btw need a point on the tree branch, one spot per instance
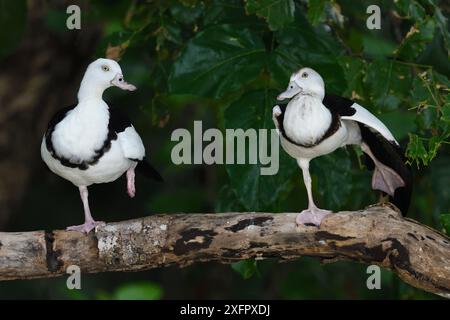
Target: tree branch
(378, 235)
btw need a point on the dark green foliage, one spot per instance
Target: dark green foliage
(257, 192)
(224, 62)
(246, 268)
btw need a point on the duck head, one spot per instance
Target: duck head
(305, 81)
(100, 75)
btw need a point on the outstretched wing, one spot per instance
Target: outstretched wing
(350, 110)
(381, 143)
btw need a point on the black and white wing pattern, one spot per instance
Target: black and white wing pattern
(350, 110)
(131, 143)
(57, 118)
(119, 128)
(381, 142)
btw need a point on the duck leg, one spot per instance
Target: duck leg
(89, 222)
(131, 188)
(383, 178)
(312, 215)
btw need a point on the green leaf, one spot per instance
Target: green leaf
(13, 16)
(399, 122)
(255, 191)
(138, 291)
(446, 112)
(226, 12)
(410, 9)
(186, 14)
(441, 21)
(354, 69)
(427, 117)
(301, 45)
(333, 181)
(443, 81)
(277, 13)
(375, 46)
(115, 44)
(388, 83)
(434, 144)
(415, 42)
(416, 151)
(217, 61)
(316, 10)
(445, 222)
(246, 268)
(228, 201)
(438, 178)
(420, 94)
(429, 96)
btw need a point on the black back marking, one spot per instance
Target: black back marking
(339, 105)
(118, 120)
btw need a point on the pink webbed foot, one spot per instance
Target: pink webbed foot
(86, 227)
(312, 216)
(385, 179)
(130, 183)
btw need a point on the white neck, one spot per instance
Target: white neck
(312, 94)
(90, 90)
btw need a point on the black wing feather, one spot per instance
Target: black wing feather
(385, 151)
(147, 170)
(118, 120)
(340, 105)
(392, 156)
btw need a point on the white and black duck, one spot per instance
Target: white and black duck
(91, 143)
(313, 124)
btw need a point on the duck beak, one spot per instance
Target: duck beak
(289, 93)
(119, 82)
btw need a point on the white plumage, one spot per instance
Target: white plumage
(362, 115)
(87, 143)
(306, 119)
(314, 124)
(131, 144)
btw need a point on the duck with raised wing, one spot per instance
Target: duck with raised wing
(313, 124)
(91, 143)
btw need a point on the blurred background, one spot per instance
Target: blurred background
(222, 62)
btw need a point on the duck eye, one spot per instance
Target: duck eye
(105, 68)
(304, 75)
(291, 86)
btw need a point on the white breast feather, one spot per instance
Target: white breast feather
(81, 132)
(306, 120)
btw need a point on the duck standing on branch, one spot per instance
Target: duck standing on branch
(314, 124)
(90, 142)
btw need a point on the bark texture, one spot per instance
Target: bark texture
(378, 235)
